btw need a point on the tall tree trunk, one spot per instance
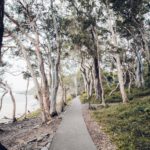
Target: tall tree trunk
(36, 83)
(14, 105)
(55, 66)
(98, 90)
(84, 80)
(1, 27)
(76, 85)
(45, 86)
(139, 70)
(102, 89)
(91, 83)
(97, 72)
(1, 100)
(63, 97)
(54, 89)
(120, 78)
(117, 56)
(26, 104)
(7, 89)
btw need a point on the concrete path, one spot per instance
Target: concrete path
(72, 133)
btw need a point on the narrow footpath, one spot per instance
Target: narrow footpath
(72, 133)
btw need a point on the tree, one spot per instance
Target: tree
(87, 37)
(1, 27)
(7, 89)
(26, 75)
(134, 25)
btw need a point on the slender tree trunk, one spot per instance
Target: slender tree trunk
(117, 56)
(91, 83)
(120, 78)
(63, 93)
(65, 96)
(130, 83)
(54, 89)
(26, 104)
(14, 105)
(102, 95)
(97, 72)
(55, 66)
(139, 71)
(1, 100)
(45, 87)
(98, 90)
(85, 83)
(38, 89)
(76, 85)
(1, 27)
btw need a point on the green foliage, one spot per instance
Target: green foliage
(147, 75)
(139, 92)
(33, 114)
(127, 124)
(116, 96)
(69, 99)
(84, 99)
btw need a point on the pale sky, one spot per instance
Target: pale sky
(13, 74)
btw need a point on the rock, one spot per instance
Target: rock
(42, 137)
(60, 117)
(1, 130)
(48, 145)
(32, 140)
(28, 147)
(20, 141)
(50, 138)
(37, 126)
(48, 123)
(42, 144)
(44, 148)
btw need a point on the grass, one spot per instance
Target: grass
(84, 99)
(127, 124)
(33, 114)
(116, 97)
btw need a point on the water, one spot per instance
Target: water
(7, 107)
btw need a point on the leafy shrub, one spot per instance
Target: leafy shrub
(84, 99)
(69, 98)
(127, 124)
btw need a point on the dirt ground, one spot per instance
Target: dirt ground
(20, 135)
(100, 139)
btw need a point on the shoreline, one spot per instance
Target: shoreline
(6, 114)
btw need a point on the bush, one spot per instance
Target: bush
(84, 99)
(69, 99)
(127, 124)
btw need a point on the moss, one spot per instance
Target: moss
(127, 124)
(33, 114)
